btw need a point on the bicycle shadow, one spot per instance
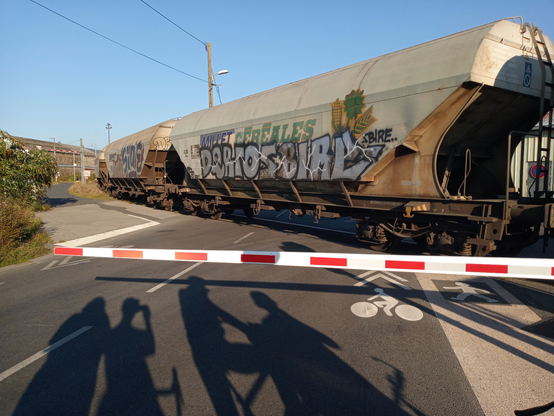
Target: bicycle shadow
(308, 376)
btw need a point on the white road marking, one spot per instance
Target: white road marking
(64, 263)
(1, 283)
(242, 238)
(42, 353)
(173, 278)
(93, 238)
(384, 276)
(50, 265)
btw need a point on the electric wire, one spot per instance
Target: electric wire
(188, 33)
(117, 43)
(175, 24)
(218, 94)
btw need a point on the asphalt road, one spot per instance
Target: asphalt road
(254, 339)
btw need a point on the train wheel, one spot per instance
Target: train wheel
(378, 238)
(195, 211)
(216, 215)
(387, 246)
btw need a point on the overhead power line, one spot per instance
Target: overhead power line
(175, 24)
(117, 43)
(206, 45)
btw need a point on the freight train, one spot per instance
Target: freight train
(413, 144)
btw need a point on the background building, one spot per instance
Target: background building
(67, 157)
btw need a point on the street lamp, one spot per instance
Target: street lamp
(211, 76)
(108, 126)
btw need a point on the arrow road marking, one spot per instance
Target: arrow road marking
(64, 263)
(384, 276)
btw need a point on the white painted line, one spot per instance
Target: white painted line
(50, 265)
(42, 353)
(136, 216)
(93, 238)
(173, 278)
(1, 283)
(242, 238)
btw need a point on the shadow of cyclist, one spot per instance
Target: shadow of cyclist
(213, 355)
(310, 378)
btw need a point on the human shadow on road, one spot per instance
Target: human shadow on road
(66, 382)
(130, 389)
(309, 377)
(213, 355)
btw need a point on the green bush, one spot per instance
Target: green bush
(25, 175)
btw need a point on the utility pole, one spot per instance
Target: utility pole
(108, 126)
(54, 139)
(210, 76)
(83, 162)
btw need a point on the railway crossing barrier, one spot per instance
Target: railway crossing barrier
(469, 266)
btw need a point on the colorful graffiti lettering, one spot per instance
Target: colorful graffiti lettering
(299, 131)
(324, 158)
(208, 140)
(127, 162)
(288, 151)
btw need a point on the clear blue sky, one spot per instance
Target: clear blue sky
(60, 80)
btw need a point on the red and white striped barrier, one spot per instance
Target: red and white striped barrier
(484, 266)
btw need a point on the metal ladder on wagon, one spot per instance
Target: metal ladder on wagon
(543, 149)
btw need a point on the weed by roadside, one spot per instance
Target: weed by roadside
(88, 190)
(20, 236)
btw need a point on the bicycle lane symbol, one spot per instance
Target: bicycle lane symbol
(386, 302)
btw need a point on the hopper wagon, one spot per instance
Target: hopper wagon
(415, 144)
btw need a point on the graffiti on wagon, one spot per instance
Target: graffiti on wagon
(289, 151)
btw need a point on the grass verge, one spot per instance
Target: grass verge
(20, 236)
(88, 190)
